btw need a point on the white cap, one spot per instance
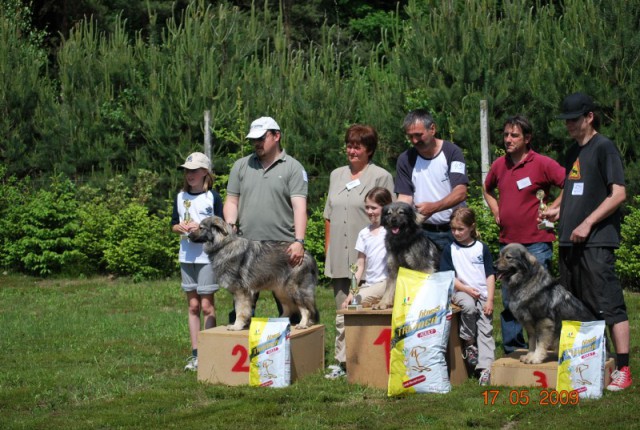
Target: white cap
(197, 160)
(260, 126)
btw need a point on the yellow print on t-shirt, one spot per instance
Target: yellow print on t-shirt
(575, 170)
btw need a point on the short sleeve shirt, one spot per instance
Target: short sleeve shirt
(518, 205)
(199, 206)
(431, 180)
(372, 246)
(344, 209)
(472, 263)
(591, 170)
(265, 211)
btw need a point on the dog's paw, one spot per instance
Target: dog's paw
(381, 306)
(235, 327)
(302, 326)
(532, 358)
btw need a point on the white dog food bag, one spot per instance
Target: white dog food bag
(581, 358)
(420, 325)
(270, 352)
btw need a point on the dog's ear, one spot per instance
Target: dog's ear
(385, 215)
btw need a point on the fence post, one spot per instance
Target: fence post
(207, 135)
(484, 139)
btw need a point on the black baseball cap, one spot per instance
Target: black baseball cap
(576, 105)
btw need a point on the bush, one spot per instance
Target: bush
(140, 245)
(628, 255)
(314, 240)
(39, 230)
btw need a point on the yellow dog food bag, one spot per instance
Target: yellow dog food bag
(270, 353)
(421, 320)
(581, 358)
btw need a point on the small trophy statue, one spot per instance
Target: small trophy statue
(545, 224)
(187, 215)
(354, 306)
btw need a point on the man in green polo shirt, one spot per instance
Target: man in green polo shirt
(267, 192)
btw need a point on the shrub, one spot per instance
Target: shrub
(314, 240)
(628, 255)
(140, 245)
(39, 230)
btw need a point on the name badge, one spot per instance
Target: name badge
(523, 183)
(351, 185)
(578, 189)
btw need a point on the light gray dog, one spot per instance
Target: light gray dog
(537, 301)
(245, 266)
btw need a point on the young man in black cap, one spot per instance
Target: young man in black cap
(589, 229)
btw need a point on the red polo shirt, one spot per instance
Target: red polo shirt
(518, 205)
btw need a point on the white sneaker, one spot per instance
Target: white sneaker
(192, 364)
(485, 377)
(335, 372)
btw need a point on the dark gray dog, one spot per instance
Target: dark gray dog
(537, 301)
(407, 246)
(245, 266)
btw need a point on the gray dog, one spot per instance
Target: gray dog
(245, 266)
(537, 301)
(407, 246)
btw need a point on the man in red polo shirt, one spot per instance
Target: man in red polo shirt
(520, 177)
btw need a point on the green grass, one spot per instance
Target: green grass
(109, 354)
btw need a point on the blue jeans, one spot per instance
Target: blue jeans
(442, 239)
(512, 336)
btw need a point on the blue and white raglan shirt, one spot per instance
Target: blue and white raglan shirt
(431, 180)
(472, 263)
(202, 205)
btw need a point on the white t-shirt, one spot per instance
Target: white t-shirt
(200, 207)
(373, 247)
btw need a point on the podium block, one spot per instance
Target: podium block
(510, 371)
(368, 343)
(223, 355)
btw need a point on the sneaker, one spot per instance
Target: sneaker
(335, 372)
(192, 364)
(620, 379)
(470, 354)
(485, 377)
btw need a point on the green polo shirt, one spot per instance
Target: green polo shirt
(264, 208)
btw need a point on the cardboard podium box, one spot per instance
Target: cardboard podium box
(223, 355)
(368, 342)
(510, 371)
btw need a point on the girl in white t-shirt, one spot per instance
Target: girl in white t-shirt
(195, 202)
(372, 254)
(474, 286)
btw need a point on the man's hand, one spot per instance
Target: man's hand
(296, 253)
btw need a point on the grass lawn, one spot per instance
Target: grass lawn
(85, 354)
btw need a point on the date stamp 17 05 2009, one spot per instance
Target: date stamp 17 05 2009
(525, 397)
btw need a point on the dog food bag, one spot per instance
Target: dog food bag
(270, 352)
(420, 325)
(581, 358)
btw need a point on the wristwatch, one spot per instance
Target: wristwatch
(300, 241)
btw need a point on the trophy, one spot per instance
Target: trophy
(354, 306)
(545, 224)
(187, 215)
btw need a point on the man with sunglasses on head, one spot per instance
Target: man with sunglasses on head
(589, 228)
(518, 177)
(267, 193)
